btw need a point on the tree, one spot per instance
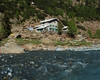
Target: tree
(97, 33)
(60, 26)
(59, 29)
(72, 29)
(2, 32)
(6, 24)
(17, 15)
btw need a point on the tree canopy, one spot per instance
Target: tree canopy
(72, 29)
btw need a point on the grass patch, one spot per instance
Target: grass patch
(61, 43)
(76, 43)
(20, 41)
(82, 43)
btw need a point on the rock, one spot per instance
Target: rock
(39, 48)
(9, 69)
(12, 47)
(28, 47)
(5, 61)
(32, 62)
(59, 49)
(10, 74)
(11, 56)
(4, 72)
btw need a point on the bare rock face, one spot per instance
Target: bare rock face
(11, 47)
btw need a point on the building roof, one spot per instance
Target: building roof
(48, 20)
(37, 26)
(65, 27)
(41, 27)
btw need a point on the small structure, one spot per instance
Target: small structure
(48, 25)
(30, 28)
(32, 3)
(65, 29)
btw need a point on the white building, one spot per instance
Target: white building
(48, 25)
(65, 29)
(41, 28)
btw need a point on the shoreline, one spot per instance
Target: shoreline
(22, 49)
(11, 46)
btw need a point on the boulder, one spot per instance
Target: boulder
(59, 49)
(28, 47)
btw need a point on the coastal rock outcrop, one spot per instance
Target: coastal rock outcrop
(11, 47)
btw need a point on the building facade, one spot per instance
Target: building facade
(48, 25)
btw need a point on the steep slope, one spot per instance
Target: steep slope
(82, 11)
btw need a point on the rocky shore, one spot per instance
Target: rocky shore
(85, 48)
(11, 47)
(62, 48)
(48, 44)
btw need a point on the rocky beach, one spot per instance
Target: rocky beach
(12, 47)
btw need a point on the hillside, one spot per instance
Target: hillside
(85, 13)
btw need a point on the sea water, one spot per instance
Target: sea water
(51, 65)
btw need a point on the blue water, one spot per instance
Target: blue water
(51, 65)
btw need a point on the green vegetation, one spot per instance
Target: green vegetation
(97, 34)
(61, 43)
(73, 43)
(20, 41)
(60, 26)
(3, 41)
(23, 9)
(72, 29)
(90, 11)
(5, 29)
(0, 43)
(2, 32)
(90, 33)
(82, 43)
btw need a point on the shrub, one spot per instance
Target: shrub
(72, 29)
(64, 22)
(97, 33)
(2, 33)
(90, 33)
(59, 28)
(81, 27)
(40, 16)
(82, 20)
(3, 8)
